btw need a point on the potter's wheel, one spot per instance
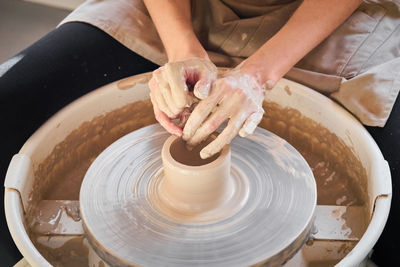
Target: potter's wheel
(267, 218)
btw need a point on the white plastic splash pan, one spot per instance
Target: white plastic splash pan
(311, 104)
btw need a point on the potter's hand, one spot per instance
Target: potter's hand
(237, 97)
(174, 88)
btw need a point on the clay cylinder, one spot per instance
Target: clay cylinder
(192, 185)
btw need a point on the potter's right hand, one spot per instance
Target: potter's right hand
(174, 88)
(236, 97)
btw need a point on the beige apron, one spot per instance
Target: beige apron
(358, 64)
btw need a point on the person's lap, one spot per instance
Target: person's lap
(77, 58)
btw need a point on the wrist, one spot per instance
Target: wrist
(264, 73)
(184, 55)
(189, 47)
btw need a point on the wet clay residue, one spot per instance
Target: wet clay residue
(287, 90)
(356, 220)
(60, 175)
(340, 177)
(190, 157)
(129, 82)
(339, 174)
(327, 263)
(49, 216)
(73, 253)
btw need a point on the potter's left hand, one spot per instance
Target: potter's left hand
(170, 94)
(237, 97)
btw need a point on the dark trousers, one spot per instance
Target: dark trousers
(67, 63)
(77, 58)
(388, 140)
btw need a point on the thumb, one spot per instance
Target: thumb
(202, 88)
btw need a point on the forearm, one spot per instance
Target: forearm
(173, 22)
(312, 22)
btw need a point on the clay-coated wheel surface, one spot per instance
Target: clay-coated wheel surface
(126, 228)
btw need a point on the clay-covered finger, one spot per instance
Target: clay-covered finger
(163, 106)
(251, 123)
(203, 86)
(218, 116)
(199, 114)
(158, 76)
(169, 101)
(165, 90)
(159, 98)
(175, 75)
(225, 137)
(165, 122)
(209, 126)
(152, 88)
(202, 89)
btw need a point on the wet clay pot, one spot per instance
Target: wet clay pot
(193, 185)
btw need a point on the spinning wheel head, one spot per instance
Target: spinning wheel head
(252, 203)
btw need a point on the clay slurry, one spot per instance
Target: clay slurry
(190, 157)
